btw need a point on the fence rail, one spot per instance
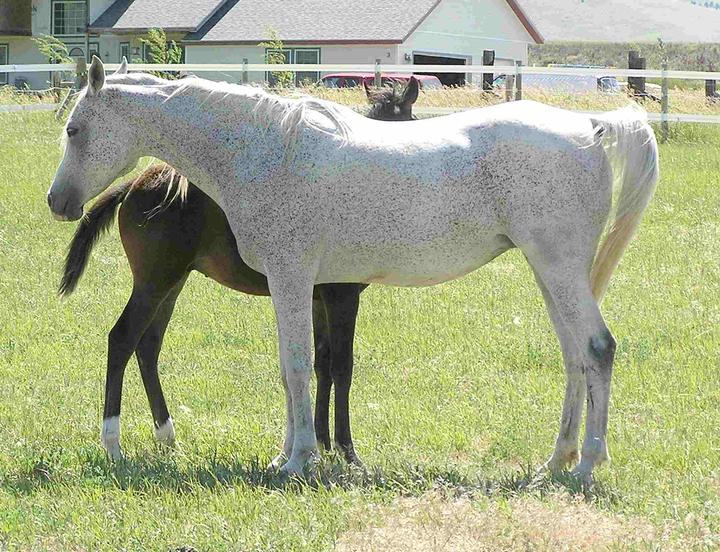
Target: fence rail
(515, 73)
(371, 68)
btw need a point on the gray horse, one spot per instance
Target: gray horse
(316, 193)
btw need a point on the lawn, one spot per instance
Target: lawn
(456, 398)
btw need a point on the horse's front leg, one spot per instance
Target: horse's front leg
(123, 339)
(291, 292)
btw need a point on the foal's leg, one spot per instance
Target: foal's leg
(321, 336)
(567, 281)
(291, 292)
(566, 451)
(147, 353)
(122, 342)
(342, 302)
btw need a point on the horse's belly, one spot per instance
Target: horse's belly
(413, 265)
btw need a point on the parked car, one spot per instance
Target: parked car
(350, 80)
(567, 83)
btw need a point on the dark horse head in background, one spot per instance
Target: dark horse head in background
(393, 103)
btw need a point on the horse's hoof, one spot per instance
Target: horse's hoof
(558, 463)
(277, 463)
(584, 475)
(291, 470)
(353, 459)
(165, 434)
(114, 451)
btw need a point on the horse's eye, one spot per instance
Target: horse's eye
(72, 131)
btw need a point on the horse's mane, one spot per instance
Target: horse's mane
(290, 114)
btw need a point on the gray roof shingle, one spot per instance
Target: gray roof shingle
(249, 21)
(314, 20)
(171, 15)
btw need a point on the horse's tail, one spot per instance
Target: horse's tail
(95, 222)
(633, 154)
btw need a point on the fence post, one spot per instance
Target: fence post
(80, 74)
(378, 74)
(487, 78)
(245, 78)
(518, 81)
(711, 90)
(509, 86)
(664, 105)
(636, 84)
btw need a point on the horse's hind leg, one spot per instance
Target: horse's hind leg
(566, 451)
(342, 302)
(565, 274)
(321, 334)
(147, 354)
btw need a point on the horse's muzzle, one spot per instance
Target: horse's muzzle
(67, 212)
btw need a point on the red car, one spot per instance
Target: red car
(350, 80)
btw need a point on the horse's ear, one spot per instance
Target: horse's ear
(96, 76)
(123, 69)
(412, 90)
(368, 92)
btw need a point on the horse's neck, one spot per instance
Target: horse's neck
(195, 133)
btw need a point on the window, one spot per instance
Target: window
(307, 56)
(3, 61)
(68, 17)
(125, 51)
(299, 56)
(77, 52)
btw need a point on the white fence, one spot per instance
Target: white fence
(371, 68)
(516, 70)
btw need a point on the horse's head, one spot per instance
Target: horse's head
(393, 104)
(99, 148)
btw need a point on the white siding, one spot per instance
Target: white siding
(334, 53)
(22, 50)
(466, 28)
(41, 17)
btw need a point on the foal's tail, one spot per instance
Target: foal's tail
(95, 222)
(633, 153)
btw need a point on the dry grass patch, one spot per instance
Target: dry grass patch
(559, 522)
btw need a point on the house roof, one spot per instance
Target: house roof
(170, 15)
(296, 21)
(324, 21)
(623, 21)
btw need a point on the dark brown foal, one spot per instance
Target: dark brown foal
(164, 240)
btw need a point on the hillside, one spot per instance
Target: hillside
(626, 21)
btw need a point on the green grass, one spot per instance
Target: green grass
(457, 391)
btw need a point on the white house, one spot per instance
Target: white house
(409, 31)
(312, 31)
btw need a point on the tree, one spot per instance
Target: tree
(276, 55)
(52, 48)
(162, 52)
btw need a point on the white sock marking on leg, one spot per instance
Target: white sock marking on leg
(165, 434)
(110, 437)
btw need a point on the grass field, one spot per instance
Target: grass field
(456, 397)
